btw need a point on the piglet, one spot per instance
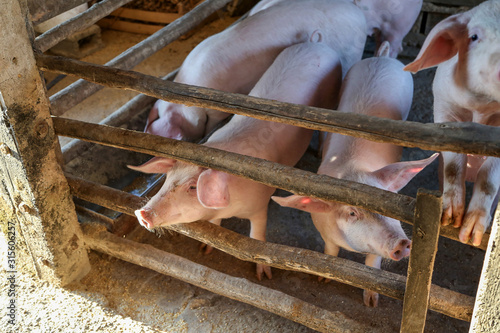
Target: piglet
(307, 73)
(378, 87)
(235, 59)
(466, 49)
(386, 20)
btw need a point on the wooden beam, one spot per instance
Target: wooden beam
(421, 265)
(398, 206)
(145, 15)
(342, 270)
(273, 174)
(132, 27)
(35, 194)
(466, 3)
(487, 306)
(81, 21)
(73, 94)
(41, 11)
(470, 138)
(125, 203)
(86, 215)
(135, 106)
(235, 288)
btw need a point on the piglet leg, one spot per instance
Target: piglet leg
(486, 188)
(370, 298)
(258, 231)
(208, 248)
(453, 188)
(333, 250)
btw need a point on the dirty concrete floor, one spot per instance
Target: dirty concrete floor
(121, 297)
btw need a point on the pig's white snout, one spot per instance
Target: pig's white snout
(144, 215)
(400, 250)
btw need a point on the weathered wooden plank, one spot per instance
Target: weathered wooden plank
(472, 138)
(134, 107)
(81, 21)
(132, 27)
(421, 265)
(35, 192)
(41, 11)
(467, 3)
(78, 91)
(146, 16)
(125, 203)
(397, 206)
(235, 288)
(487, 307)
(342, 270)
(273, 174)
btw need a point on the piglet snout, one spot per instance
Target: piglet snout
(401, 250)
(144, 217)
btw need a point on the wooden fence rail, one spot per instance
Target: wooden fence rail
(470, 138)
(81, 21)
(41, 11)
(134, 107)
(288, 178)
(80, 90)
(300, 182)
(235, 288)
(442, 300)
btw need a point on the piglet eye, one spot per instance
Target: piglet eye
(352, 213)
(474, 37)
(192, 187)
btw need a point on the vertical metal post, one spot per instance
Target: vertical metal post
(423, 252)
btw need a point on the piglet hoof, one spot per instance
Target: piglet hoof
(452, 213)
(475, 224)
(263, 269)
(370, 298)
(320, 279)
(208, 249)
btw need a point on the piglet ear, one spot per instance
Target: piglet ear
(212, 189)
(442, 42)
(165, 119)
(306, 204)
(384, 49)
(395, 176)
(155, 165)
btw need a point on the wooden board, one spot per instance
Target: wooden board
(132, 27)
(146, 16)
(34, 193)
(137, 21)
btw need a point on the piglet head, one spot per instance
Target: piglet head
(357, 229)
(390, 20)
(165, 120)
(475, 37)
(189, 194)
(353, 228)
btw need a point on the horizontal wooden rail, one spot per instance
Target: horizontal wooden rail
(442, 300)
(121, 116)
(288, 178)
(471, 138)
(80, 21)
(238, 289)
(80, 90)
(41, 11)
(301, 182)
